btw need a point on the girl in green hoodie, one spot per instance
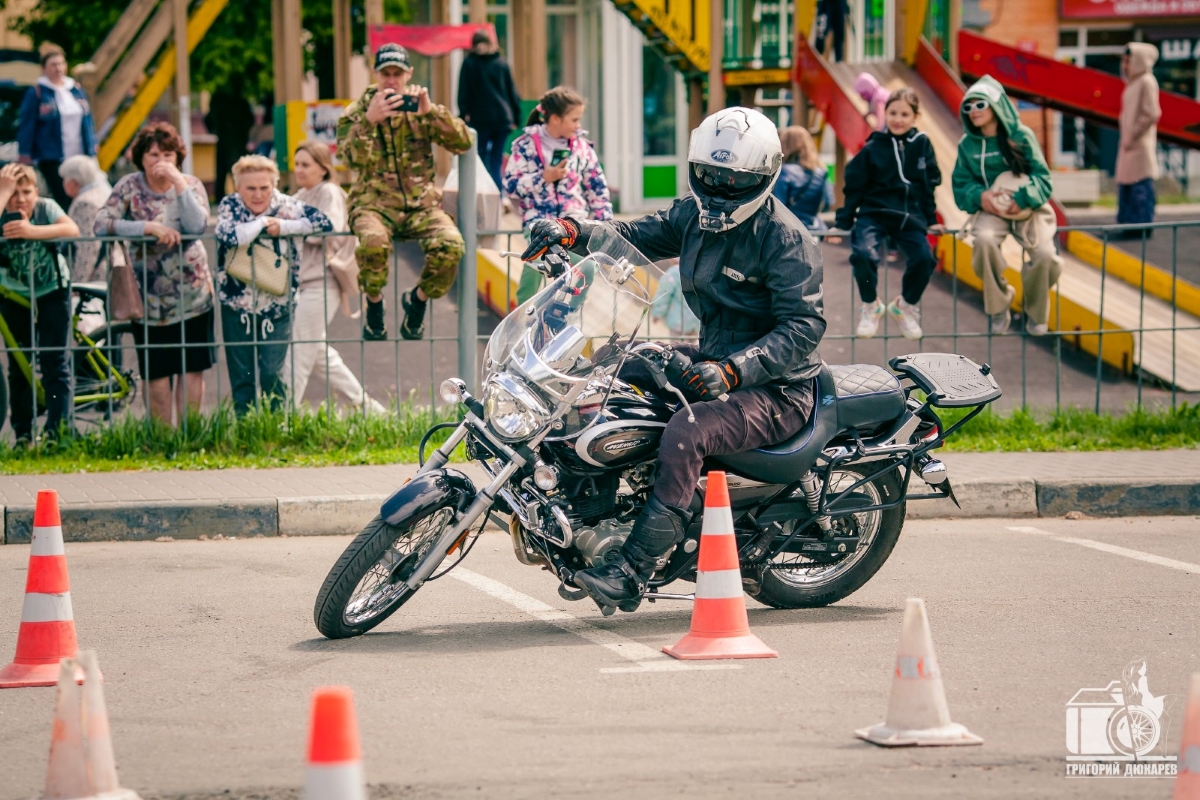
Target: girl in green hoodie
(996, 144)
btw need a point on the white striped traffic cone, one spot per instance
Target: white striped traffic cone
(334, 759)
(917, 711)
(720, 627)
(1187, 777)
(47, 632)
(81, 752)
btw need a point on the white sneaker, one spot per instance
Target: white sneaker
(1000, 322)
(907, 317)
(1036, 328)
(869, 316)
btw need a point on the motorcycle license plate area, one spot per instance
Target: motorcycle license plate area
(950, 380)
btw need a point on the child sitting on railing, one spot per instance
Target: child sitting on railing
(889, 188)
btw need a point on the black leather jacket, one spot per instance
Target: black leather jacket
(756, 288)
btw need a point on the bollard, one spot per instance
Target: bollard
(468, 302)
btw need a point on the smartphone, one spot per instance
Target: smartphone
(403, 102)
(9, 216)
(559, 156)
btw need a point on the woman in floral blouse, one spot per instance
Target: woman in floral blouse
(256, 324)
(161, 202)
(554, 170)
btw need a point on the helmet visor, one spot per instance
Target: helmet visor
(725, 182)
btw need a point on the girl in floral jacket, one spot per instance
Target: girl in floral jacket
(554, 170)
(256, 324)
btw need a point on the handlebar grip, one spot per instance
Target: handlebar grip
(676, 365)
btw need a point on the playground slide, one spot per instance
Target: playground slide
(1087, 93)
(1085, 299)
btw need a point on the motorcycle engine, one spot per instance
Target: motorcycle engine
(601, 543)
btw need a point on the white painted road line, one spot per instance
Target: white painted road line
(644, 658)
(1104, 547)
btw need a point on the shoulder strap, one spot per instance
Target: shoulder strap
(537, 146)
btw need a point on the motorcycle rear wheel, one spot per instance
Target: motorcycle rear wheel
(798, 587)
(366, 585)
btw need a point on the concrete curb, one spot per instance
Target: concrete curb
(347, 514)
(982, 497)
(1120, 498)
(122, 522)
(327, 516)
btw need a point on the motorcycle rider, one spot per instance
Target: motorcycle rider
(752, 274)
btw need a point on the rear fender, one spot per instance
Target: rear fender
(433, 489)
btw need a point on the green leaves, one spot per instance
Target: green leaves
(237, 51)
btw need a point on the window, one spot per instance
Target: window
(562, 45)
(658, 105)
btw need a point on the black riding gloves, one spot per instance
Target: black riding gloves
(708, 380)
(545, 233)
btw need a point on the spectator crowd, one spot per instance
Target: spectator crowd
(285, 264)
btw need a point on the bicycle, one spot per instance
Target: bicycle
(101, 382)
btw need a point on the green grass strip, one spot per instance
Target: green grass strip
(311, 439)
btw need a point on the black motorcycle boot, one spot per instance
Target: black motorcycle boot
(375, 325)
(413, 325)
(657, 529)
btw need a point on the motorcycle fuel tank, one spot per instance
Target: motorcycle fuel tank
(625, 434)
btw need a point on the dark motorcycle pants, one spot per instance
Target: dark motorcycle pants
(750, 418)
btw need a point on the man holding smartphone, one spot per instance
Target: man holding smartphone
(387, 138)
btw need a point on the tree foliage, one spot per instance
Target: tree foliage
(237, 51)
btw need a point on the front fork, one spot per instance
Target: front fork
(483, 501)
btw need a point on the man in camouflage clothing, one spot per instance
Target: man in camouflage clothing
(391, 150)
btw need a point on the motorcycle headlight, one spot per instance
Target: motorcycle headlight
(511, 409)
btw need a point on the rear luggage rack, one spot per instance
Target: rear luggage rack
(949, 380)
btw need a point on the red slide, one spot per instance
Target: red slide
(1083, 92)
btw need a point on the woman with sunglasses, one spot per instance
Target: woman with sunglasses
(1002, 179)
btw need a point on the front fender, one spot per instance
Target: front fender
(433, 489)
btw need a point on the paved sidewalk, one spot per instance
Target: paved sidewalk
(330, 500)
(317, 482)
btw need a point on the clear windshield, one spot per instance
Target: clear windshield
(581, 320)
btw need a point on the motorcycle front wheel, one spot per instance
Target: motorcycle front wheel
(797, 580)
(366, 585)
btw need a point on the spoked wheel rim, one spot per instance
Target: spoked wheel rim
(799, 570)
(383, 583)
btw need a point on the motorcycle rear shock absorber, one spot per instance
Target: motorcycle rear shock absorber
(811, 484)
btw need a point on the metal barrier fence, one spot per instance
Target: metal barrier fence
(1150, 313)
(1119, 301)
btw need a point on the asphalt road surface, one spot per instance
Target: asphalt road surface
(487, 684)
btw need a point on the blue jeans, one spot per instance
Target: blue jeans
(491, 151)
(1135, 203)
(254, 351)
(866, 253)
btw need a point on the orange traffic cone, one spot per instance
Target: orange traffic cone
(720, 628)
(917, 712)
(334, 759)
(47, 631)
(81, 752)
(1187, 779)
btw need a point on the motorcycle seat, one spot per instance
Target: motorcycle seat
(787, 461)
(868, 396)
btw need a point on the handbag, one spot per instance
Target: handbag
(124, 294)
(1006, 185)
(258, 265)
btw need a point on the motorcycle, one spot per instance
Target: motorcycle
(567, 428)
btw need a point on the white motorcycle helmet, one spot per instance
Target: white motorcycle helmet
(733, 163)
